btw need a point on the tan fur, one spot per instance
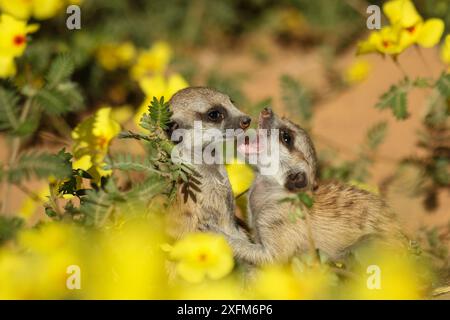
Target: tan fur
(215, 206)
(340, 217)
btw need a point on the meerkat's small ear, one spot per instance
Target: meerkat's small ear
(296, 181)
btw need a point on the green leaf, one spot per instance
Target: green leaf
(9, 226)
(41, 165)
(52, 101)
(60, 70)
(443, 84)
(73, 96)
(9, 118)
(148, 189)
(158, 116)
(295, 97)
(127, 162)
(376, 135)
(306, 199)
(395, 99)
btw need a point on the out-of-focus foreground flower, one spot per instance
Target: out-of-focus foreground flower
(92, 138)
(202, 255)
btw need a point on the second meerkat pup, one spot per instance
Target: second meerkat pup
(340, 217)
(213, 206)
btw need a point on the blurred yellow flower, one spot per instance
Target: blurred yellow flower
(112, 56)
(407, 28)
(127, 263)
(281, 282)
(402, 13)
(92, 138)
(202, 255)
(153, 60)
(158, 86)
(357, 72)
(13, 35)
(241, 176)
(38, 269)
(445, 50)
(122, 114)
(7, 67)
(39, 9)
(387, 273)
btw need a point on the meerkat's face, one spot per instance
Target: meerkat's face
(295, 153)
(214, 109)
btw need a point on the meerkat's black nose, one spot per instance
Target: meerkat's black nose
(266, 112)
(245, 122)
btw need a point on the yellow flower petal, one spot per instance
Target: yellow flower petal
(202, 255)
(241, 177)
(357, 72)
(21, 9)
(445, 50)
(7, 67)
(430, 33)
(402, 13)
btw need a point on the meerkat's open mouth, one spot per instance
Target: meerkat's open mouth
(257, 143)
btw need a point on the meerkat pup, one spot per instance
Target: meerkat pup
(340, 217)
(213, 206)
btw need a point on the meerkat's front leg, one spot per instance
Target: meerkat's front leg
(266, 251)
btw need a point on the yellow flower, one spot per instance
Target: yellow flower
(92, 138)
(240, 175)
(13, 35)
(122, 114)
(387, 273)
(159, 86)
(127, 263)
(426, 34)
(357, 72)
(7, 67)
(112, 55)
(154, 60)
(281, 282)
(38, 270)
(407, 28)
(402, 13)
(445, 50)
(385, 41)
(24, 9)
(202, 255)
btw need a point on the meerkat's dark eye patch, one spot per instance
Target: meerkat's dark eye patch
(296, 181)
(216, 114)
(286, 138)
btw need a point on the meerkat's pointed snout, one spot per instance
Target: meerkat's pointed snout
(245, 122)
(267, 112)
